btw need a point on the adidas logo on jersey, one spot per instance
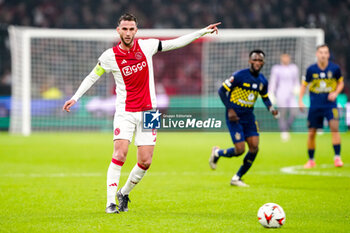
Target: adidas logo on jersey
(123, 62)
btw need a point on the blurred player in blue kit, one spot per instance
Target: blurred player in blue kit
(239, 94)
(325, 82)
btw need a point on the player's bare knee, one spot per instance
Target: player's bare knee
(334, 129)
(120, 155)
(312, 135)
(145, 164)
(145, 161)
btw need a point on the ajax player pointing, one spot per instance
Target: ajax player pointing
(131, 64)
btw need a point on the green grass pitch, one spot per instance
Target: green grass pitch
(56, 183)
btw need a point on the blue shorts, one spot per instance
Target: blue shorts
(316, 116)
(246, 127)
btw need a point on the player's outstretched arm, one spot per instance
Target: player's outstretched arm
(84, 86)
(182, 41)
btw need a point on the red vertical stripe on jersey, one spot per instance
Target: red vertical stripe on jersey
(135, 72)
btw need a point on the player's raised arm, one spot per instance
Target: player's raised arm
(84, 86)
(182, 41)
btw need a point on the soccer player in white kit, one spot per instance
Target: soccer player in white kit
(130, 62)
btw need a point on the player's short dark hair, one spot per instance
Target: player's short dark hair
(256, 51)
(127, 17)
(321, 46)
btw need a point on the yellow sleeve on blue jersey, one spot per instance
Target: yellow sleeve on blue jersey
(228, 83)
(225, 86)
(265, 96)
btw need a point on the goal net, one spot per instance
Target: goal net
(48, 66)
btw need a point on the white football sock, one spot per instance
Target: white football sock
(135, 176)
(235, 177)
(216, 153)
(113, 175)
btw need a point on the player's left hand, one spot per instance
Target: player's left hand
(332, 96)
(213, 27)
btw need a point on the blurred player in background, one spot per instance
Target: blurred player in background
(325, 82)
(283, 86)
(239, 93)
(131, 64)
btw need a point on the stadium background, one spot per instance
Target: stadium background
(331, 16)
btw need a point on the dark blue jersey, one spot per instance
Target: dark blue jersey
(241, 91)
(321, 83)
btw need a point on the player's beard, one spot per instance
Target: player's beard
(127, 44)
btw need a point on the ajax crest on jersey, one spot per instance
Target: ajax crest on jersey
(271, 215)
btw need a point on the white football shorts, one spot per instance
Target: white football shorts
(125, 124)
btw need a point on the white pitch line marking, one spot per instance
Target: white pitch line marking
(52, 175)
(294, 170)
(299, 170)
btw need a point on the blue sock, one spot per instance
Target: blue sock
(311, 153)
(247, 163)
(336, 149)
(227, 153)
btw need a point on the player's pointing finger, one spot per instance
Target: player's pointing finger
(216, 24)
(213, 27)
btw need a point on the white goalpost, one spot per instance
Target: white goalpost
(49, 64)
